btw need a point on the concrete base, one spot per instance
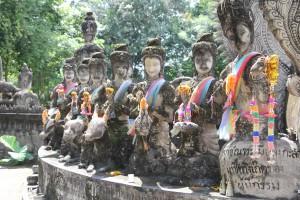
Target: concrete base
(60, 181)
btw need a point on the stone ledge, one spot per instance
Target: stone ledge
(59, 181)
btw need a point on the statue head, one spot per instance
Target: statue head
(69, 70)
(109, 93)
(83, 72)
(97, 67)
(153, 58)
(184, 91)
(205, 55)
(89, 28)
(237, 23)
(120, 60)
(25, 78)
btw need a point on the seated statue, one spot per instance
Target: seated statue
(25, 97)
(246, 89)
(61, 96)
(159, 95)
(114, 94)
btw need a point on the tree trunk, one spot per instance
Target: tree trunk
(0, 68)
(6, 65)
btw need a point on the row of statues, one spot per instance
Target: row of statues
(110, 124)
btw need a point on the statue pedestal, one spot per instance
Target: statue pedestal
(62, 181)
(255, 176)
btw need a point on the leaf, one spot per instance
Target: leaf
(18, 156)
(10, 142)
(28, 156)
(6, 160)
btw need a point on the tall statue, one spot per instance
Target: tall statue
(246, 89)
(197, 159)
(61, 96)
(159, 95)
(204, 55)
(116, 101)
(89, 30)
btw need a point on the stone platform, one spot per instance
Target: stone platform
(64, 181)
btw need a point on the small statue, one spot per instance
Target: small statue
(74, 105)
(72, 138)
(185, 125)
(96, 145)
(86, 105)
(143, 123)
(61, 96)
(52, 129)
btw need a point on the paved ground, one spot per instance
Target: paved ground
(12, 180)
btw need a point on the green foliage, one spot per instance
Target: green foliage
(44, 33)
(17, 154)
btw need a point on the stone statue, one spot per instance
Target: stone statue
(159, 95)
(98, 70)
(89, 29)
(96, 145)
(185, 125)
(248, 118)
(197, 160)
(62, 101)
(204, 55)
(52, 129)
(117, 90)
(71, 145)
(25, 97)
(282, 17)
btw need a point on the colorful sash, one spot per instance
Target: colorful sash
(230, 115)
(153, 91)
(238, 71)
(121, 91)
(199, 94)
(70, 88)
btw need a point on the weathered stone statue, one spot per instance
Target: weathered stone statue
(116, 98)
(52, 129)
(96, 145)
(283, 16)
(247, 167)
(25, 97)
(159, 95)
(72, 138)
(184, 123)
(98, 70)
(204, 55)
(61, 96)
(89, 29)
(7, 90)
(197, 163)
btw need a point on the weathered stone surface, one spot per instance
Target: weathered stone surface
(58, 181)
(258, 178)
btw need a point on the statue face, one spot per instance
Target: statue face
(203, 63)
(152, 66)
(83, 76)
(69, 75)
(242, 44)
(184, 96)
(96, 74)
(120, 69)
